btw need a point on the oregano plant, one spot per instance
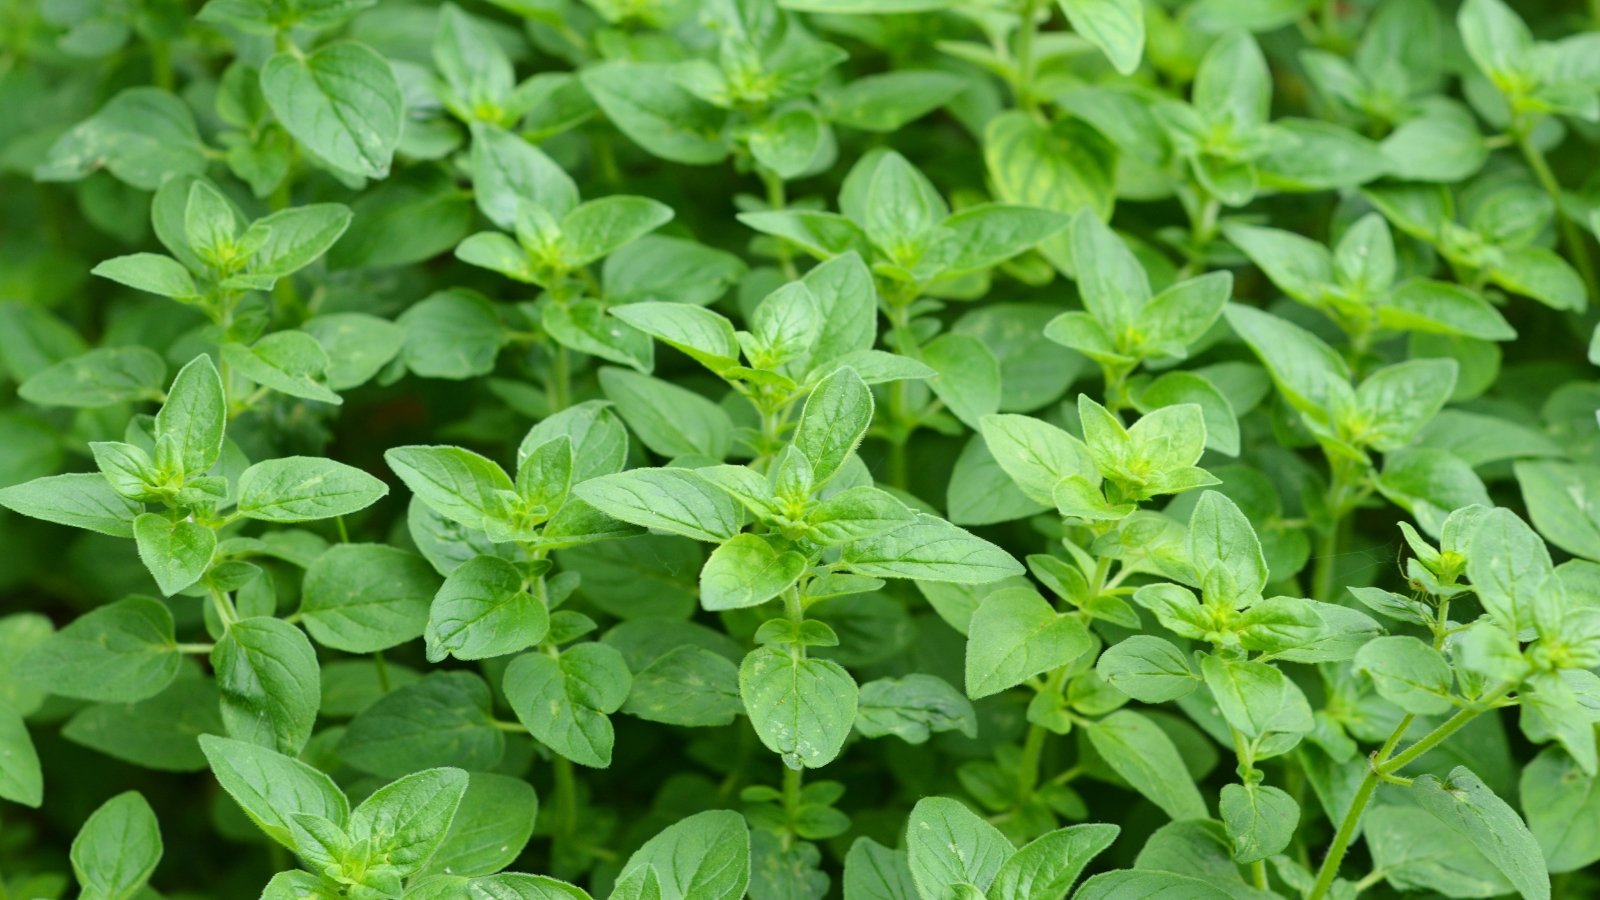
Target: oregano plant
(799, 449)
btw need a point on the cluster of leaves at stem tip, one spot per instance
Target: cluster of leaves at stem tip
(799, 449)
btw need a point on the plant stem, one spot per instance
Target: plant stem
(1381, 765)
(383, 670)
(1028, 768)
(566, 796)
(1570, 235)
(161, 64)
(1339, 503)
(225, 609)
(1022, 87)
(1322, 574)
(792, 779)
(901, 424)
(560, 378)
(776, 200)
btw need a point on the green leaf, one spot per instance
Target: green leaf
(452, 334)
(802, 709)
(835, 417)
(856, 514)
(1014, 635)
(902, 205)
(1429, 484)
(357, 346)
(1224, 551)
(564, 701)
(1233, 83)
(668, 419)
(787, 142)
(407, 820)
(117, 848)
(598, 227)
(1138, 884)
(98, 378)
(599, 442)
(342, 102)
(1219, 422)
(290, 362)
(585, 327)
(1148, 669)
(1049, 864)
(1395, 402)
(1260, 820)
(1111, 281)
(1256, 697)
(1036, 454)
(968, 379)
(991, 233)
(1298, 266)
(143, 135)
(484, 610)
(21, 780)
(442, 719)
(670, 500)
(158, 733)
(1414, 853)
(823, 235)
(1438, 307)
(687, 685)
(1064, 167)
(271, 787)
(507, 172)
(1463, 803)
(121, 652)
(888, 101)
(80, 500)
(1498, 42)
(874, 872)
(458, 484)
(913, 708)
(267, 672)
(1115, 26)
(1309, 155)
(1302, 366)
(1562, 807)
(490, 827)
(1408, 673)
(707, 337)
(930, 549)
(291, 239)
(706, 855)
(305, 488)
(747, 571)
(648, 106)
(176, 553)
(949, 845)
(195, 416)
(362, 598)
(1541, 274)
(1139, 751)
(669, 269)
(1508, 566)
(152, 273)
(1559, 502)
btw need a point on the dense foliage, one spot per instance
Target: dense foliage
(889, 449)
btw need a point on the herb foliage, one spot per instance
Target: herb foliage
(879, 449)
